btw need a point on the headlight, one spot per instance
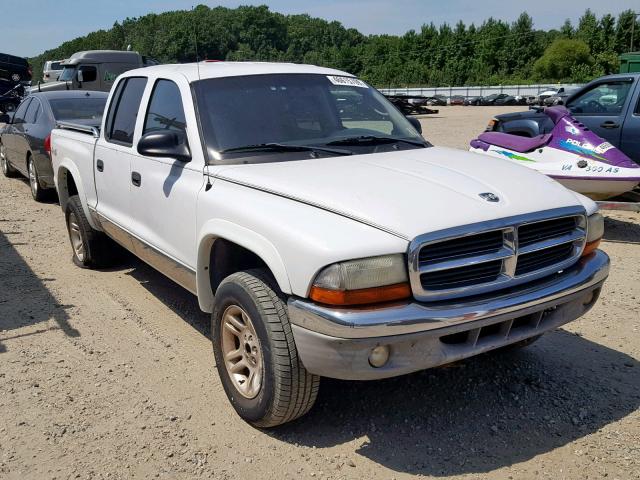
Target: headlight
(595, 231)
(367, 280)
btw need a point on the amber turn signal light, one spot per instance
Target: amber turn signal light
(590, 247)
(363, 296)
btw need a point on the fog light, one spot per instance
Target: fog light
(379, 356)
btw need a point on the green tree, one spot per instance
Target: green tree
(563, 58)
(494, 52)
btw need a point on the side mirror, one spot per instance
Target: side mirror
(80, 76)
(5, 118)
(165, 143)
(415, 123)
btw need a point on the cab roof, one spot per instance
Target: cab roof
(208, 69)
(106, 56)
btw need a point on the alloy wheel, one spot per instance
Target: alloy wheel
(3, 160)
(76, 237)
(241, 351)
(33, 179)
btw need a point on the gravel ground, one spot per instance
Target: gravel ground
(110, 374)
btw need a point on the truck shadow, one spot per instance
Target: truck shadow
(25, 299)
(486, 413)
(182, 302)
(616, 230)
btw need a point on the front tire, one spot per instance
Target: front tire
(7, 170)
(91, 248)
(255, 352)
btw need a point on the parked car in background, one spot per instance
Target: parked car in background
(559, 98)
(531, 99)
(437, 100)
(542, 96)
(14, 69)
(223, 177)
(504, 99)
(496, 99)
(52, 70)
(456, 100)
(95, 70)
(521, 99)
(25, 142)
(475, 100)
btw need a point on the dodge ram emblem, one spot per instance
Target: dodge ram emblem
(489, 197)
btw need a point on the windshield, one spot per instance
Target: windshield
(307, 110)
(67, 74)
(90, 108)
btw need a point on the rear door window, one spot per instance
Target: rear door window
(21, 112)
(123, 112)
(33, 111)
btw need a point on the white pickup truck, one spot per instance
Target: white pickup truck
(322, 232)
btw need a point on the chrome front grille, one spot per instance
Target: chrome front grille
(487, 256)
(481, 243)
(538, 231)
(461, 276)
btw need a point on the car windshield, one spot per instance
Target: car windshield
(87, 108)
(258, 117)
(67, 74)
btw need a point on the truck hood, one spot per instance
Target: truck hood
(408, 192)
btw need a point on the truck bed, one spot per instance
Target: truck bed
(73, 147)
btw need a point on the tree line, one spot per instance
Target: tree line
(495, 52)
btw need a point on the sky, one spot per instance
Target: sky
(39, 25)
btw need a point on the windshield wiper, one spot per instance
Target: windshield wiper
(282, 147)
(374, 140)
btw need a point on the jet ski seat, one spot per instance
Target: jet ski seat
(514, 142)
(557, 113)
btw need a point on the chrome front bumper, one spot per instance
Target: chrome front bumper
(336, 342)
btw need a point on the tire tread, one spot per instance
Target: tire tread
(100, 250)
(296, 389)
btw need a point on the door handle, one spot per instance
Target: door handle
(136, 178)
(100, 165)
(609, 124)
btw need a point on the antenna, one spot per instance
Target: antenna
(195, 40)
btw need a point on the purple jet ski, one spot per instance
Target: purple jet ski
(571, 154)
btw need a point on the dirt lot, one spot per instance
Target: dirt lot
(110, 374)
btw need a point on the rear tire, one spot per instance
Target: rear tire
(255, 352)
(7, 170)
(91, 248)
(38, 193)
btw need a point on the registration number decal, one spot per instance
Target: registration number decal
(347, 81)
